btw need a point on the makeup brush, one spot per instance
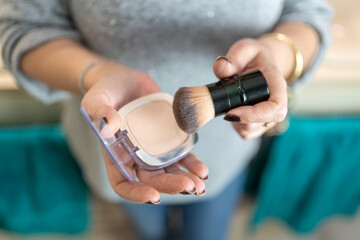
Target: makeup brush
(193, 107)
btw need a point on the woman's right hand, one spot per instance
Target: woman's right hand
(110, 86)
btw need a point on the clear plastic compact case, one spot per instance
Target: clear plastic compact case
(149, 136)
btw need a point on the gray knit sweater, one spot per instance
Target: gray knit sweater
(175, 41)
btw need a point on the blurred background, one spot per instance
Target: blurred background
(315, 197)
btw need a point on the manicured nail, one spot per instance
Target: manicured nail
(190, 192)
(193, 191)
(103, 123)
(232, 118)
(153, 203)
(201, 194)
(204, 178)
(117, 134)
(223, 57)
(185, 193)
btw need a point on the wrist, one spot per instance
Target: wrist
(282, 55)
(97, 71)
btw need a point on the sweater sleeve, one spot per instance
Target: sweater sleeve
(25, 25)
(317, 14)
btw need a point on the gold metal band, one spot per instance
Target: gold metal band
(299, 62)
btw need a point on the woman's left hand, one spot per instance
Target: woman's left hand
(244, 56)
(112, 85)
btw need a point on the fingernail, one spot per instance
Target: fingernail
(185, 193)
(190, 192)
(204, 178)
(193, 190)
(117, 134)
(103, 123)
(153, 203)
(223, 57)
(201, 194)
(232, 118)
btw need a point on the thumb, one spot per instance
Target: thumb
(223, 67)
(238, 58)
(100, 110)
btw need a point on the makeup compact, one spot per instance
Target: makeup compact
(149, 135)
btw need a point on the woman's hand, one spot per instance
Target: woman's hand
(246, 55)
(112, 85)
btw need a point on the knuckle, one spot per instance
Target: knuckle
(246, 137)
(245, 42)
(281, 114)
(83, 103)
(145, 76)
(247, 127)
(107, 110)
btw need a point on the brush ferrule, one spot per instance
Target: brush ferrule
(226, 93)
(238, 90)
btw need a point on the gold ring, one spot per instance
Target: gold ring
(266, 124)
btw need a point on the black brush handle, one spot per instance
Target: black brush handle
(239, 90)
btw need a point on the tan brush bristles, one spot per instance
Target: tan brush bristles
(193, 108)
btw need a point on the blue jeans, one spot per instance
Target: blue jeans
(207, 219)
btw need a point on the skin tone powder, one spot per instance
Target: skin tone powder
(148, 136)
(154, 127)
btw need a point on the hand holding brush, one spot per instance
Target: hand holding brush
(251, 92)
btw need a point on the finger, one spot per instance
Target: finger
(100, 110)
(273, 110)
(110, 115)
(148, 85)
(240, 55)
(199, 185)
(255, 130)
(132, 191)
(166, 182)
(195, 166)
(137, 192)
(247, 127)
(223, 68)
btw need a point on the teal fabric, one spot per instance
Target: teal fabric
(41, 188)
(312, 172)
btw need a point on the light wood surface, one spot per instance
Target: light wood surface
(336, 87)
(109, 222)
(6, 79)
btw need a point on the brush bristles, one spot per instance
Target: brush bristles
(193, 108)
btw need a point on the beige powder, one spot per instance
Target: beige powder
(154, 127)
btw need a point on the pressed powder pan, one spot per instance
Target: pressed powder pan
(153, 127)
(149, 135)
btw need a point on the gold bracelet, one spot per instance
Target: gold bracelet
(299, 62)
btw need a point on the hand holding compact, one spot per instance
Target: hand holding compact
(110, 87)
(246, 55)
